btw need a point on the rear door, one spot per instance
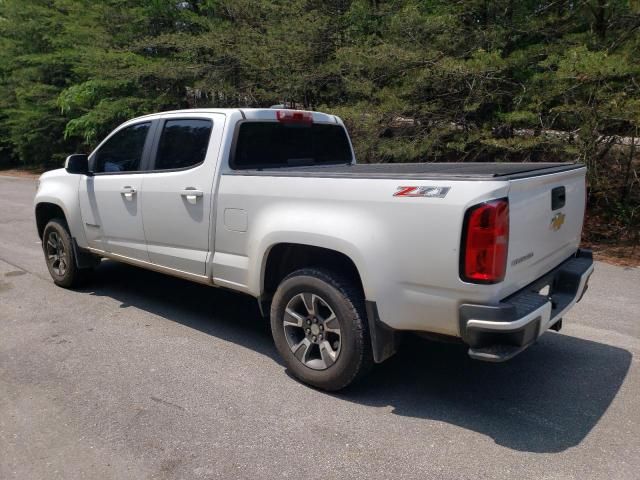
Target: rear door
(110, 199)
(545, 223)
(178, 191)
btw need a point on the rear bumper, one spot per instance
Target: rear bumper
(497, 333)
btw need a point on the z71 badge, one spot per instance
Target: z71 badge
(429, 192)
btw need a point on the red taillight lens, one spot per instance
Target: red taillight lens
(484, 242)
(294, 116)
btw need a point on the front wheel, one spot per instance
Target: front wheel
(320, 330)
(60, 256)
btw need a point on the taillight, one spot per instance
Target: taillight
(294, 116)
(485, 239)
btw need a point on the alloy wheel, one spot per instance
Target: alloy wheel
(56, 254)
(312, 331)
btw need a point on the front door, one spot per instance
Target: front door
(178, 191)
(110, 199)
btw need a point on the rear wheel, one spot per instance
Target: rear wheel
(60, 256)
(319, 328)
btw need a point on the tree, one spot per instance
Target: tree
(415, 80)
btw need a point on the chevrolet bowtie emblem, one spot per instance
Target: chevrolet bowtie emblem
(557, 221)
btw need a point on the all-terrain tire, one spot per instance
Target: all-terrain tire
(60, 255)
(335, 296)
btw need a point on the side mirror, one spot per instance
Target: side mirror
(77, 163)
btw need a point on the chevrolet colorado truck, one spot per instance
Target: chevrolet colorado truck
(345, 258)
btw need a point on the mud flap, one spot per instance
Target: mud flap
(84, 258)
(384, 339)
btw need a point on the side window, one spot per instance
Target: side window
(123, 151)
(183, 143)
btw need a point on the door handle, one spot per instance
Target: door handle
(191, 194)
(128, 192)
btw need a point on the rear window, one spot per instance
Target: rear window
(275, 144)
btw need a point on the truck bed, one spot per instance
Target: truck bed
(418, 171)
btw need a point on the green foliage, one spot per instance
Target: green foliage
(415, 80)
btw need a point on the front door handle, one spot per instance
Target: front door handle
(191, 194)
(128, 192)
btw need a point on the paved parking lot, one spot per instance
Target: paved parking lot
(145, 376)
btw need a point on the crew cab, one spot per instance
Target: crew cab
(344, 258)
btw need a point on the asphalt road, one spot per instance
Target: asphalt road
(145, 376)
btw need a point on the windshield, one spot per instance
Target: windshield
(275, 144)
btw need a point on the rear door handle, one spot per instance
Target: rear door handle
(128, 192)
(191, 194)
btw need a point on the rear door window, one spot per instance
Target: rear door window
(183, 143)
(275, 144)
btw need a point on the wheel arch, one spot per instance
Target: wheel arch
(45, 212)
(282, 258)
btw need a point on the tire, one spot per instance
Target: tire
(320, 329)
(60, 255)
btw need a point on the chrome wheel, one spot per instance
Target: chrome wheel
(56, 254)
(312, 331)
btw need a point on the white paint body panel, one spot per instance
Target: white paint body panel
(112, 220)
(530, 217)
(176, 226)
(406, 250)
(59, 188)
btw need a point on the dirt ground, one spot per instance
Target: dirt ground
(14, 172)
(621, 255)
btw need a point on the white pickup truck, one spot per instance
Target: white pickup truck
(344, 257)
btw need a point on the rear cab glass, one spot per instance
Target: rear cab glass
(265, 144)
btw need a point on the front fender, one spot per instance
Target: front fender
(60, 188)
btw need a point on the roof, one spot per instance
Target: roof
(252, 113)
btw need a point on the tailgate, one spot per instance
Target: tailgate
(545, 224)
